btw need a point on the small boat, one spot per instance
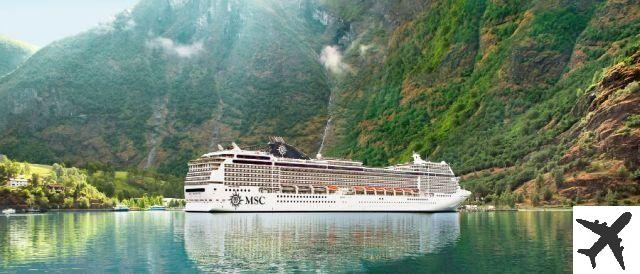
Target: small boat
(33, 210)
(121, 208)
(8, 211)
(157, 207)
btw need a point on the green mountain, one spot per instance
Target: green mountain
(493, 86)
(166, 82)
(505, 91)
(13, 53)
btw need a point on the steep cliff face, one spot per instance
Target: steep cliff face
(13, 53)
(167, 81)
(603, 148)
(485, 85)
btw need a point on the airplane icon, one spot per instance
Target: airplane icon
(608, 236)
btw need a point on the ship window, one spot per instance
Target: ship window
(195, 190)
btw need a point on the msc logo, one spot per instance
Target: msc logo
(236, 200)
(254, 200)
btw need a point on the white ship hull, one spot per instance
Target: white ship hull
(221, 198)
(237, 180)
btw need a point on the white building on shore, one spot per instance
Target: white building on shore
(18, 181)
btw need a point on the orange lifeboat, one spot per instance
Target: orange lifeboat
(332, 187)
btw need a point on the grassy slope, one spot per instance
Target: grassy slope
(120, 179)
(41, 170)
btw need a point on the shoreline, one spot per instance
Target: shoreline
(523, 209)
(91, 210)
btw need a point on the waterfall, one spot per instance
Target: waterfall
(324, 135)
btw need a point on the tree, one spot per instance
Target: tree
(623, 173)
(68, 202)
(8, 169)
(598, 197)
(535, 199)
(508, 199)
(611, 198)
(558, 177)
(539, 182)
(83, 202)
(109, 188)
(491, 198)
(29, 198)
(35, 179)
(547, 194)
(58, 170)
(578, 200)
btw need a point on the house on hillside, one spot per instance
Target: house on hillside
(56, 187)
(18, 181)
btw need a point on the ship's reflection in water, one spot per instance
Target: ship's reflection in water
(326, 242)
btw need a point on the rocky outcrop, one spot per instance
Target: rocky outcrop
(605, 130)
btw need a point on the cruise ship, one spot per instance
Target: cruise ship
(280, 178)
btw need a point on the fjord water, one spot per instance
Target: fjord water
(169, 241)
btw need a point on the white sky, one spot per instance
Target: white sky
(40, 22)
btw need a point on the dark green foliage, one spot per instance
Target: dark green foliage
(611, 198)
(508, 199)
(622, 172)
(558, 177)
(636, 174)
(633, 121)
(547, 194)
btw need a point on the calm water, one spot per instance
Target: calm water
(287, 242)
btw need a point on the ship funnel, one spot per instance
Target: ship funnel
(417, 159)
(220, 148)
(235, 146)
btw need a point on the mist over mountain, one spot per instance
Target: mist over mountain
(13, 53)
(519, 96)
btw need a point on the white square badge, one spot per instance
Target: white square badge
(606, 239)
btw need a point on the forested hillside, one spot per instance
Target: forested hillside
(531, 101)
(484, 85)
(166, 82)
